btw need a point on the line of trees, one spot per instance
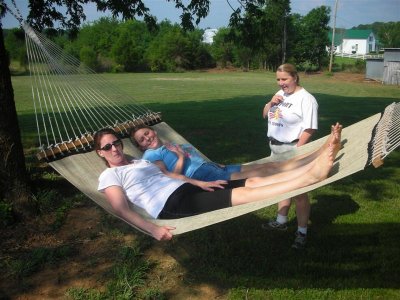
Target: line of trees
(261, 37)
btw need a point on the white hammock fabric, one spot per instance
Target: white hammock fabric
(72, 102)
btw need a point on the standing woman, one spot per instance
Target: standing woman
(292, 117)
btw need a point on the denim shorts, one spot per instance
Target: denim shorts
(211, 171)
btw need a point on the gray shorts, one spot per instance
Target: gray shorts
(284, 148)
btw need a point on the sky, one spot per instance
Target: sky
(349, 12)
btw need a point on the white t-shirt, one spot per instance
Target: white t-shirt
(296, 113)
(143, 183)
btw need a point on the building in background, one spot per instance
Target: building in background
(386, 69)
(355, 41)
(208, 36)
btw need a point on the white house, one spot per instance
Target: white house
(208, 35)
(355, 41)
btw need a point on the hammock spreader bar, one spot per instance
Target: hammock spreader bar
(85, 142)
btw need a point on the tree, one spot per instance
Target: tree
(315, 35)
(389, 35)
(261, 30)
(14, 185)
(130, 45)
(222, 48)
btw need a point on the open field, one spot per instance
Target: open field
(354, 234)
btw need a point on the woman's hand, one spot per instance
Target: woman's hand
(275, 100)
(176, 149)
(162, 233)
(211, 185)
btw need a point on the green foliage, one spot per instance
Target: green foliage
(153, 294)
(344, 64)
(46, 200)
(314, 36)
(130, 45)
(6, 214)
(88, 56)
(388, 34)
(99, 37)
(83, 294)
(260, 38)
(222, 48)
(37, 258)
(14, 40)
(169, 50)
(129, 273)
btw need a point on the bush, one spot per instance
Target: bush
(6, 215)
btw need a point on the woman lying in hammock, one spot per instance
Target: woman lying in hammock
(173, 195)
(185, 159)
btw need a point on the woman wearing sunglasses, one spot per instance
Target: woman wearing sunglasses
(168, 195)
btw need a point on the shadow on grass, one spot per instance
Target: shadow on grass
(239, 253)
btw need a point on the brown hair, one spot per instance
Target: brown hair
(133, 130)
(97, 138)
(291, 69)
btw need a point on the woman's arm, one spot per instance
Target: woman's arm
(119, 203)
(205, 185)
(305, 137)
(180, 153)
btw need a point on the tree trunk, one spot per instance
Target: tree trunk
(14, 188)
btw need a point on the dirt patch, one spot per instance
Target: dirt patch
(88, 256)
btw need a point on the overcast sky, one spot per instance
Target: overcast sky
(349, 13)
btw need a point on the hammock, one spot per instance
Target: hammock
(366, 142)
(71, 102)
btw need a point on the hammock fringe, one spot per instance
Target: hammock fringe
(386, 135)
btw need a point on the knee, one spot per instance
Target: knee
(253, 181)
(302, 199)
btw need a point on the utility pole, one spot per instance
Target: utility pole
(333, 36)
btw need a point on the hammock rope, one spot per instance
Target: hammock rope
(71, 101)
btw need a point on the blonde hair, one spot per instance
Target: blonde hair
(291, 69)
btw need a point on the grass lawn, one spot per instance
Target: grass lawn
(354, 233)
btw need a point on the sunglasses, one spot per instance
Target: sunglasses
(107, 147)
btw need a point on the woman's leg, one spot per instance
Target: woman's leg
(271, 168)
(317, 171)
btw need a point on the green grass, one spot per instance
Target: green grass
(128, 276)
(348, 64)
(354, 236)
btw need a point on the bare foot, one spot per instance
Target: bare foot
(324, 162)
(335, 134)
(335, 138)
